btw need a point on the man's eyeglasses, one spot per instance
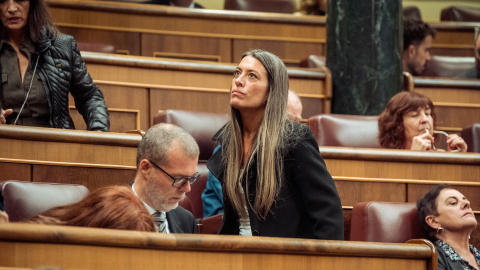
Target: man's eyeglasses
(178, 181)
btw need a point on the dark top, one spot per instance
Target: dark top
(449, 259)
(62, 70)
(181, 221)
(308, 205)
(35, 112)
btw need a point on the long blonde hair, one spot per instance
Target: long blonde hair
(268, 144)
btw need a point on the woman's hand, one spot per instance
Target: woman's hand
(4, 114)
(455, 142)
(422, 142)
(3, 217)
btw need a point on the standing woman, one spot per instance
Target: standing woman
(448, 220)
(274, 181)
(40, 68)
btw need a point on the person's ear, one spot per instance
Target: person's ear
(431, 220)
(412, 51)
(144, 166)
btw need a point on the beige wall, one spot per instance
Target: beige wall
(430, 8)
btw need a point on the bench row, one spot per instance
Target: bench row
(216, 35)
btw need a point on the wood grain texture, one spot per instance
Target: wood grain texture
(226, 34)
(68, 247)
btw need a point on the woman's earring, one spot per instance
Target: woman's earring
(440, 230)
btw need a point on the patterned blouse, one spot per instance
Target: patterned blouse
(454, 256)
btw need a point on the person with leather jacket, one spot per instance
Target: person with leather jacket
(39, 68)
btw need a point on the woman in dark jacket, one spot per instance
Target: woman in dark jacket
(40, 68)
(274, 181)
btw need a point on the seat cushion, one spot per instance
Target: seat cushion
(23, 200)
(345, 130)
(451, 67)
(385, 222)
(201, 125)
(278, 6)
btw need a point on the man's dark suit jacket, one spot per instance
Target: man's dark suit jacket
(181, 221)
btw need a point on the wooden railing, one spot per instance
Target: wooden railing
(31, 245)
(135, 88)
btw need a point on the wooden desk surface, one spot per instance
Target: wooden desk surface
(31, 245)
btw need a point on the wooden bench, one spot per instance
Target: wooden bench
(135, 87)
(194, 34)
(96, 159)
(31, 245)
(152, 30)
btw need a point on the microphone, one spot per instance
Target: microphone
(28, 92)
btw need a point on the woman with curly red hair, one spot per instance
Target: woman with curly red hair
(407, 122)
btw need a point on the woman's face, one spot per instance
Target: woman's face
(454, 211)
(14, 14)
(416, 122)
(249, 85)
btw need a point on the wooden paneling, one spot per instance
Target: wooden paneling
(351, 192)
(96, 159)
(91, 248)
(91, 177)
(125, 42)
(15, 171)
(78, 148)
(196, 47)
(275, 32)
(457, 101)
(190, 33)
(454, 38)
(148, 84)
(388, 165)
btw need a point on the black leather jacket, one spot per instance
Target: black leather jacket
(62, 71)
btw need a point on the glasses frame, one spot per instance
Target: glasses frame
(181, 180)
(446, 135)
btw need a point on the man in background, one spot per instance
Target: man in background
(417, 43)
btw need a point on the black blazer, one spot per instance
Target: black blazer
(308, 205)
(181, 221)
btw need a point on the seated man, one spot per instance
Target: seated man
(212, 196)
(417, 42)
(167, 159)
